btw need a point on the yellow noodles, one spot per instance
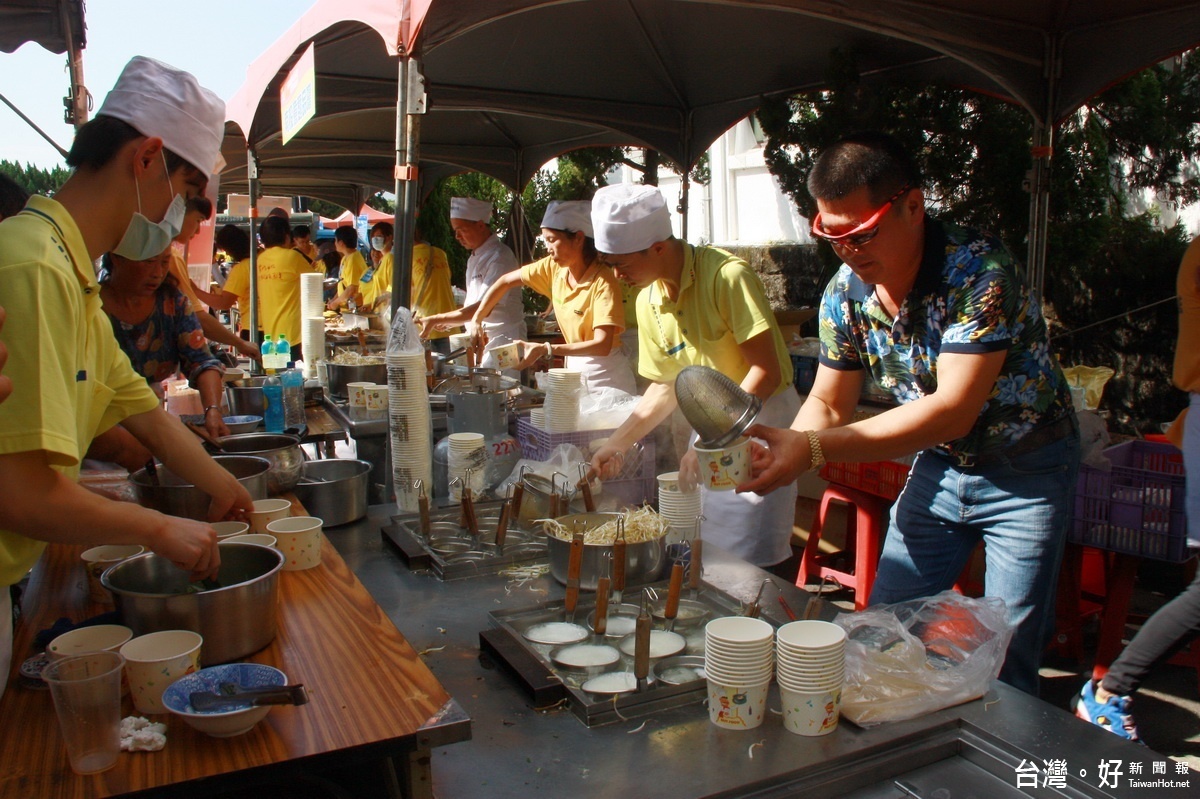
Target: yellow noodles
(641, 525)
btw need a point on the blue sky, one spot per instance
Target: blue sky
(213, 39)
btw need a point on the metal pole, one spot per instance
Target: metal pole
(77, 101)
(683, 207)
(252, 190)
(410, 102)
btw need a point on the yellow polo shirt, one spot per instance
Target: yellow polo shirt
(1187, 350)
(279, 273)
(721, 305)
(184, 281)
(431, 289)
(376, 282)
(593, 302)
(71, 381)
(353, 267)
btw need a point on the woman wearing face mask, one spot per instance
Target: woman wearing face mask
(586, 297)
(154, 325)
(377, 280)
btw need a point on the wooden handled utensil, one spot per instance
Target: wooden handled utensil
(205, 436)
(696, 567)
(600, 625)
(555, 504)
(671, 610)
(589, 502)
(502, 525)
(518, 493)
(755, 608)
(423, 507)
(574, 566)
(618, 561)
(641, 647)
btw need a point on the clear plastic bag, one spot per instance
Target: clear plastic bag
(912, 658)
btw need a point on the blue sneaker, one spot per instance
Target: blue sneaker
(1112, 715)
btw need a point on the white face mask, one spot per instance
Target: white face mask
(145, 239)
(377, 243)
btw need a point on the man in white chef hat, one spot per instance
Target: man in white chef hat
(698, 306)
(490, 260)
(150, 148)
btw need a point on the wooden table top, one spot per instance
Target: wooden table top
(322, 426)
(371, 695)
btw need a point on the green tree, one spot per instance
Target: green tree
(974, 152)
(35, 180)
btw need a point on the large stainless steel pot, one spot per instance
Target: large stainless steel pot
(282, 451)
(246, 398)
(172, 495)
(339, 374)
(645, 562)
(236, 619)
(334, 490)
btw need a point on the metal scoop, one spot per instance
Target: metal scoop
(618, 561)
(574, 566)
(233, 696)
(422, 507)
(715, 406)
(673, 591)
(589, 502)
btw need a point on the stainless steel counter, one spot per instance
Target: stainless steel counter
(517, 749)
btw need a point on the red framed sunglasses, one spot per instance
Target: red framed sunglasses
(864, 232)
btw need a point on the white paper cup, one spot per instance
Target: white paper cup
(810, 713)
(357, 393)
(227, 529)
(262, 539)
(96, 638)
(811, 636)
(376, 398)
(155, 660)
(267, 511)
(299, 539)
(507, 356)
(98, 560)
(726, 468)
(736, 707)
(739, 630)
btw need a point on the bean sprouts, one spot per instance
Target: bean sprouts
(641, 525)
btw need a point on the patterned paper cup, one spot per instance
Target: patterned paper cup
(736, 706)
(98, 560)
(727, 468)
(267, 511)
(155, 660)
(227, 529)
(507, 356)
(810, 714)
(357, 392)
(299, 539)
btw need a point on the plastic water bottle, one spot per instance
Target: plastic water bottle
(268, 352)
(273, 413)
(293, 396)
(283, 352)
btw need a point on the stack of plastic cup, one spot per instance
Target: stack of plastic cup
(312, 336)
(410, 427)
(562, 387)
(738, 662)
(537, 418)
(811, 668)
(466, 459)
(312, 306)
(680, 508)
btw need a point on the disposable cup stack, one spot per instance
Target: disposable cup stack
(738, 663)
(811, 669)
(561, 408)
(466, 460)
(680, 508)
(312, 305)
(410, 427)
(537, 418)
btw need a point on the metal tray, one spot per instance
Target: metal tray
(549, 683)
(452, 553)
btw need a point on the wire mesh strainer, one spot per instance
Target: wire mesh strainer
(716, 407)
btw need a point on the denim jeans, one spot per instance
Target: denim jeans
(1019, 508)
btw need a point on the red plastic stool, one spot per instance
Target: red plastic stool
(864, 534)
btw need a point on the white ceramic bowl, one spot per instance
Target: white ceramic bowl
(226, 723)
(242, 424)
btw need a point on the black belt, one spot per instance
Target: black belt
(1030, 442)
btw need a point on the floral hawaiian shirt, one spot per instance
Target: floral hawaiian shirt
(969, 297)
(168, 340)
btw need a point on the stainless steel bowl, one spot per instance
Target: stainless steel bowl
(339, 374)
(236, 619)
(282, 451)
(334, 490)
(645, 562)
(246, 399)
(172, 495)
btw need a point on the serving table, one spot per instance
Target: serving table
(373, 702)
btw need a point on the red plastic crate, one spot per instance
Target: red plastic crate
(882, 478)
(639, 487)
(1138, 507)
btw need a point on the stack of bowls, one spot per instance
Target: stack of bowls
(312, 320)
(811, 669)
(738, 663)
(561, 409)
(466, 459)
(680, 508)
(411, 428)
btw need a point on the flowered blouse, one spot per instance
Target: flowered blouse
(168, 340)
(969, 297)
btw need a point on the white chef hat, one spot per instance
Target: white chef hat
(159, 100)
(471, 209)
(629, 217)
(569, 215)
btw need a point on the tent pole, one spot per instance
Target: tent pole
(683, 206)
(1039, 184)
(410, 101)
(252, 189)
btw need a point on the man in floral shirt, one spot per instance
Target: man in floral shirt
(941, 317)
